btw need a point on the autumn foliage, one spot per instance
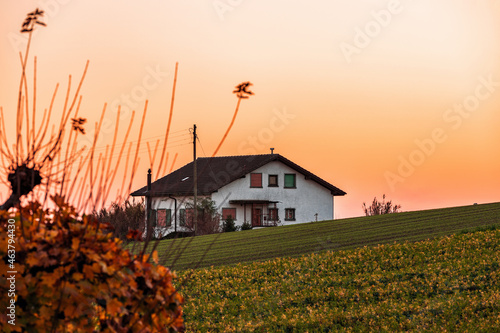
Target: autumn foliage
(73, 276)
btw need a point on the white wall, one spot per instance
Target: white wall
(169, 203)
(308, 198)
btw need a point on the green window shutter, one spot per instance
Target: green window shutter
(182, 217)
(168, 217)
(290, 180)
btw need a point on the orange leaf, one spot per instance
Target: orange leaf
(88, 271)
(113, 306)
(155, 256)
(48, 279)
(77, 276)
(75, 243)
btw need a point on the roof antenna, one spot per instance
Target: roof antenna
(272, 151)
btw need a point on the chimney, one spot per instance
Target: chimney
(272, 151)
(149, 180)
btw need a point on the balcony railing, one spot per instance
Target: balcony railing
(265, 220)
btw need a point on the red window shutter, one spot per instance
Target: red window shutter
(255, 180)
(161, 217)
(226, 212)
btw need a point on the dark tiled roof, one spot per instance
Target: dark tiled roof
(216, 172)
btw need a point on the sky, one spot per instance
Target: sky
(376, 97)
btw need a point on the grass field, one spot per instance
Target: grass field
(296, 240)
(447, 284)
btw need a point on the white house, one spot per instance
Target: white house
(263, 190)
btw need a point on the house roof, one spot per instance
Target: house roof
(216, 172)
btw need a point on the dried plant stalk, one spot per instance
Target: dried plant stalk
(165, 141)
(112, 177)
(242, 93)
(136, 158)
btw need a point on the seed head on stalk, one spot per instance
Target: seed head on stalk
(242, 93)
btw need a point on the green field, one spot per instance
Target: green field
(447, 284)
(296, 240)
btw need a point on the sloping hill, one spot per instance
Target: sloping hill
(262, 244)
(447, 284)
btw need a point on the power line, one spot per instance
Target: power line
(144, 149)
(183, 136)
(205, 155)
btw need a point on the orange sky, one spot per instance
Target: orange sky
(395, 97)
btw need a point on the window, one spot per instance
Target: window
(182, 217)
(273, 181)
(290, 180)
(255, 180)
(227, 212)
(273, 214)
(290, 214)
(185, 217)
(163, 218)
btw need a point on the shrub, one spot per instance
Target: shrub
(228, 225)
(381, 207)
(73, 276)
(246, 226)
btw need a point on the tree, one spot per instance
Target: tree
(123, 217)
(379, 208)
(208, 218)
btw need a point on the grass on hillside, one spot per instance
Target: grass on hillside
(449, 284)
(296, 240)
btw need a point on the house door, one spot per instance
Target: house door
(256, 217)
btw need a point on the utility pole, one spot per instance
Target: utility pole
(195, 181)
(149, 216)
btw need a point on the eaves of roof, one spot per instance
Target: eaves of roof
(216, 172)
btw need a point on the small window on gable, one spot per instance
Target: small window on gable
(228, 212)
(255, 180)
(273, 181)
(290, 180)
(290, 214)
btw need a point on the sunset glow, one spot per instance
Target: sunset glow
(395, 97)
